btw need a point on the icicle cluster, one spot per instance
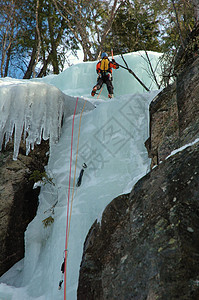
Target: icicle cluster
(32, 111)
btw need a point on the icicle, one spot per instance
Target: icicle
(33, 109)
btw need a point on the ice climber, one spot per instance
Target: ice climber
(79, 180)
(104, 71)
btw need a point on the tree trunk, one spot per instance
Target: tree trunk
(29, 70)
(53, 53)
(178, 24)
(7, 62)
(38, 39)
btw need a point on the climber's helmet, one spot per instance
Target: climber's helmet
(104, 54)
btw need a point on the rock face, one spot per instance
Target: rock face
(146, 247)
(174, 112)
(18, 200)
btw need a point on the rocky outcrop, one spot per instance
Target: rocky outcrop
(174, 112)
(164, 125)
(147, 246)
(18, 200)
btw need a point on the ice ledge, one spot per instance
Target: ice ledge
(33, 111)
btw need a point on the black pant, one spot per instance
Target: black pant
(105, 79)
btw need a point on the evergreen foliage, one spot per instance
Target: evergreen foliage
(133, 29)
(48, 221)
(37, 176)
(20, 48)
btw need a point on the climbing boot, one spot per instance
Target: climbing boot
(94, 91)
(110, 96)
(60, 284)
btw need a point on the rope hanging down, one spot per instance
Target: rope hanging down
(80, 119)
(65, 256)
(100, 92)
(69, 217)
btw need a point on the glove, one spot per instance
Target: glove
(113, 60)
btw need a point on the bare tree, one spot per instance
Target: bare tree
(89, 21)
(178, 24)
(38, 38)
(48, 37)
(51, 57)
(8, 27)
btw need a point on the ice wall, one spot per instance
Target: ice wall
(112, 145)
(34, 110)
(79, 79)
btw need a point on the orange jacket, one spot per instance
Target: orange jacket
(112, 64)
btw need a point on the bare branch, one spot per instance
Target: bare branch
(152, 71)
(178, 25)
(82, 19)
(131, 72)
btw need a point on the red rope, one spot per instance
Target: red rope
(100, 92)
(66, 243)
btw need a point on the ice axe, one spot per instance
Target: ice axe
(112, 53)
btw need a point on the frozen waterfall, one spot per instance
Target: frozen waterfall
(112, 137)
(34, 110)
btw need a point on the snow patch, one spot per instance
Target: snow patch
(182, 148)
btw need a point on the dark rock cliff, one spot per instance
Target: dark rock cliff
(147, 246)
(18, 200)
(174, 113)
